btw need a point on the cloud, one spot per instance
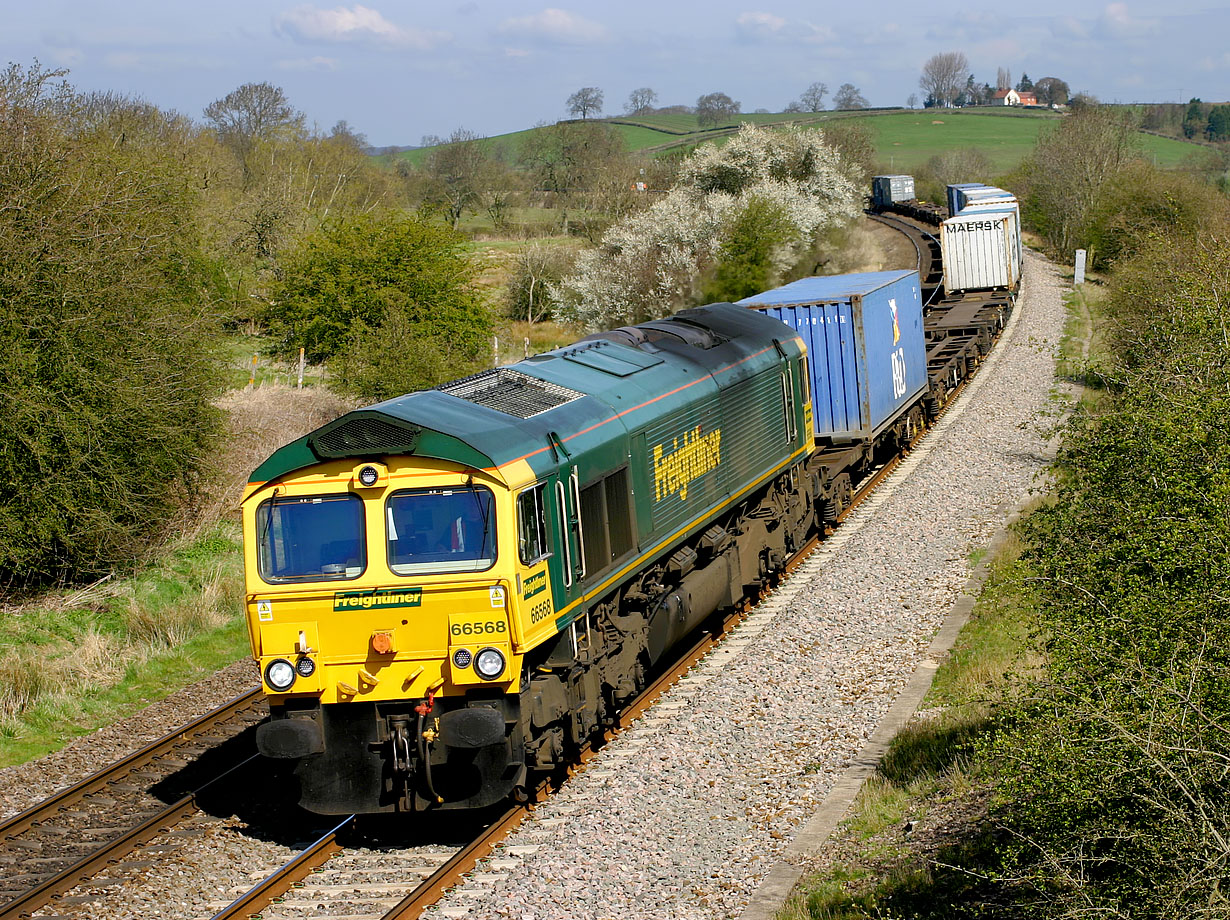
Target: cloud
(557, 26)
(64, 47)
(1068, 27)
(758, 26)
(358, 24)
(318, 64)
(1119, 23)
(1213, 65)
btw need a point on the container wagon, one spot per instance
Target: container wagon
(867, 367)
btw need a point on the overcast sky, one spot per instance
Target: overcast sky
(397, 70)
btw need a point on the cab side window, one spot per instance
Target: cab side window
(532, 524)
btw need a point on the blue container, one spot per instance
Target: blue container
(866, 351)
(963, 197)
(956, 199)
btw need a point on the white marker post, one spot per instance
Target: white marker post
(1079, 277)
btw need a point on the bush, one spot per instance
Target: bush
(654, 262)
(1142, 203)
(390, 296)
(105, 413)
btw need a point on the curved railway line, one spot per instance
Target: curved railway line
(71, 837)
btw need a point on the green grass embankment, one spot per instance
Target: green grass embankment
(74, 661)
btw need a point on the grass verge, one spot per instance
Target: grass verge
(77, 660)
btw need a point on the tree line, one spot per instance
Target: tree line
(712, 109)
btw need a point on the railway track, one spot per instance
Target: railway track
(70, 837)
(927, 249)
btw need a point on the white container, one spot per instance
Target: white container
(981, 251)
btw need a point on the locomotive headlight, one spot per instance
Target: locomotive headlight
(489, 663)
(369, 476)
(462, 658)
(280, 674)
(305, 666)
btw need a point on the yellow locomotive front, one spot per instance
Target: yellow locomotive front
(380, 608)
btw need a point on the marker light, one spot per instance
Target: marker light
(305, 666)
(369, 476)
(462, 658)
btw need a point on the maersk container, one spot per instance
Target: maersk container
(886, 190)
(1001, 201)
(866, 351)
(981, 251)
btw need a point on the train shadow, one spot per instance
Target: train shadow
(230, 780)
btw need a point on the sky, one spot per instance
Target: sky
(397, 70)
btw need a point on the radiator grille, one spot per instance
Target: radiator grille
(510, 392)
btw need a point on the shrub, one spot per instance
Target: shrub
(655, 261)
(390, 296)
(105, 413)
(1114, 774)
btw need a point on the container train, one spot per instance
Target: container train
(450, 592)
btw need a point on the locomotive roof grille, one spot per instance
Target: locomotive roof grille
(364, 436)
(510, 392)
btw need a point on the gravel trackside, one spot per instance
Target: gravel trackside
(686, 812)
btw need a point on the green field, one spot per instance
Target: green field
(905, 138)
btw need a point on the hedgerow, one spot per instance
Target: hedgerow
(1113, 776)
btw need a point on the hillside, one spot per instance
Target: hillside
(904, 138)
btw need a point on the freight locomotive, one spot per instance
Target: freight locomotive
(449, 592)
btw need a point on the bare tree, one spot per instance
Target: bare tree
(584, 101)
(254, 111)
(714, 108)
(912, 100)
(640, 101)
(944, 76)
(1003, 78)
(812, 99)
(458, 168)
(849, 97)
(344, 134)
